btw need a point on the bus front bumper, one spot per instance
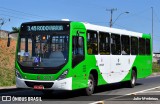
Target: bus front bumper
(64, 84)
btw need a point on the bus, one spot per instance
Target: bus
(70, 55)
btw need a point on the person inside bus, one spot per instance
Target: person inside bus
(37, 49)
(44, 50)
(94, 47)
(123, 51)
(89, 49)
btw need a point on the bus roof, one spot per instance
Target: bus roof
(111, 30)
(40, 22)
(93, 27)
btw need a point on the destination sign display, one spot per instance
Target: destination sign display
(44, 27)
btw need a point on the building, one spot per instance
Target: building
(3, 34)
(156, 57)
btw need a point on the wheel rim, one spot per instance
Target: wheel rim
(133, 79)
(90, 85)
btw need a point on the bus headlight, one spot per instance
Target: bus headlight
(18, 74)
(63, 75)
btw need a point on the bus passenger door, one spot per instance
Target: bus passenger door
(77, 50)
(78, 60)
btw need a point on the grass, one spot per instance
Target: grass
(156, 67)
(7, 77)
(7, 57)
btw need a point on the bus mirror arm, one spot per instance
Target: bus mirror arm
(9, 39)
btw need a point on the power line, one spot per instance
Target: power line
(14, 13)
(152, 28)
(156, 16)
(15, 17)
(138, 13)
(23, 12)
(139, 16)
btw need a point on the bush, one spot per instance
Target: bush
(156, 67)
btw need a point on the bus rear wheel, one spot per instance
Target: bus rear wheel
(132, 82)
(91, 85)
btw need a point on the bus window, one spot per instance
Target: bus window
(92, 42)
(141, 46)
(115, 44)
(22, 45)
(78, 46)
(134, 45)
(125, 45)
(104, 43)
(148, 48)
(77, 50)
(30, 46)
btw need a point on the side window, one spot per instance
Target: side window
(78, 46)
(77, 50)
(125, 40)
(141, 46)
(104, 43)
(134, 45)
(115, 44)
(148, 47)
(92, 42)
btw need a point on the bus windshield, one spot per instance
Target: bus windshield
(43, 49)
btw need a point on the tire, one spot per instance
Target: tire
(91, 86)
(132, 82)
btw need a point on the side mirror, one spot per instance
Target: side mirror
(9, 39)
(8, 42)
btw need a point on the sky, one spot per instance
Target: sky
(139, 18)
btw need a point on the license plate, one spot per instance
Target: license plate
(38, 87)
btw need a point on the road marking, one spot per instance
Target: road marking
(134, 93)
(143, 90)
(98, 102)
(152, 92)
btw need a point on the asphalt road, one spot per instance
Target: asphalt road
(118, 93)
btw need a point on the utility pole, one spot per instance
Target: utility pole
(152, 29)
(111, 10)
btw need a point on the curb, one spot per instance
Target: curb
(8, 87)
(155, 74)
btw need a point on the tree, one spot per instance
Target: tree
(15, 29)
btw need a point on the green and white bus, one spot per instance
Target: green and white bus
(68, 55)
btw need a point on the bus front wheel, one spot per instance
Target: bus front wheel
(91, 85)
